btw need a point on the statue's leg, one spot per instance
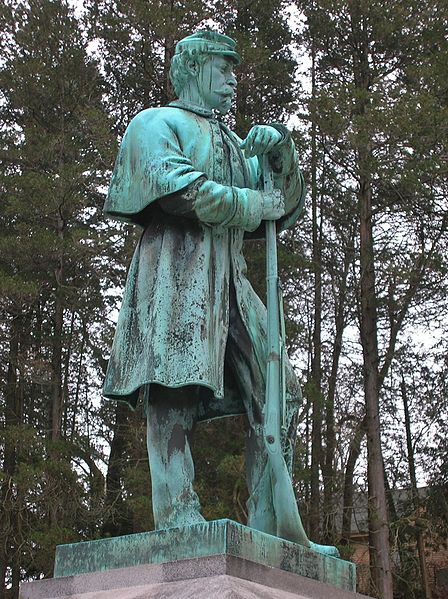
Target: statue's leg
(269, 485)
(171, 419)
(260, 505)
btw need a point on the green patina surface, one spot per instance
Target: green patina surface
(202, 540)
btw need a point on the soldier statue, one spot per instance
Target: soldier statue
(191, 333)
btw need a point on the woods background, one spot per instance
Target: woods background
(365, 270)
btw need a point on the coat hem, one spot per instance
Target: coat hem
(125, 394)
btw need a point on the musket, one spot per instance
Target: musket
(275, 377)
(289, 524)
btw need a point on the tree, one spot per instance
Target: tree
(266, 82)
(55, 147)
(366, 53)
(136, 41)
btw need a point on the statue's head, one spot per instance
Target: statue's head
(202, 70)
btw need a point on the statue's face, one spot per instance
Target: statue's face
(217, 83)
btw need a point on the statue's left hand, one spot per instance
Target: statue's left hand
(260, 140)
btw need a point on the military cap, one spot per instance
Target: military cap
(209, 42)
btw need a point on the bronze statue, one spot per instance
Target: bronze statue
(191, 330)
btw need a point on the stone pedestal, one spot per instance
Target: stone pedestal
(220, 559)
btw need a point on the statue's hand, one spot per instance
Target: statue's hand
(260, 140)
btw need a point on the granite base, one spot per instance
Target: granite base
(219, 576)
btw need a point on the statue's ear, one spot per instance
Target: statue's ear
(192, 67)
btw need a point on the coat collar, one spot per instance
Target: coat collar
(200, 110)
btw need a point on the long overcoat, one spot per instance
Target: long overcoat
(174, 319)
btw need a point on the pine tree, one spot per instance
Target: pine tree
(266, 82)
(369, 58)
(136, 41)
(55, 147)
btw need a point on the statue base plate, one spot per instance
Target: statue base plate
(215, 559)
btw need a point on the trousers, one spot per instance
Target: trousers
(171, 420)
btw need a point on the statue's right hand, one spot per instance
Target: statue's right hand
(273, 204)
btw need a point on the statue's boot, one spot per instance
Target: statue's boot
(326, 549)
(171, 419)
(272, 504)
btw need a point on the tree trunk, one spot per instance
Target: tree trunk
(328, 469)
(78, 381)
(347, 509)
(316, 365)
(56, 359)
(65, 384)
(13, 418)
(117, 521)
(415, 498)
(169, 47)
(378, 521)
(381, 574)
(329, 473)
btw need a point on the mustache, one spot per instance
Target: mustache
(227, 93)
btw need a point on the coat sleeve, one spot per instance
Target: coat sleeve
(221, 205)
(288, 177)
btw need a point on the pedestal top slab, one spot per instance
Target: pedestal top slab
(219, 537)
